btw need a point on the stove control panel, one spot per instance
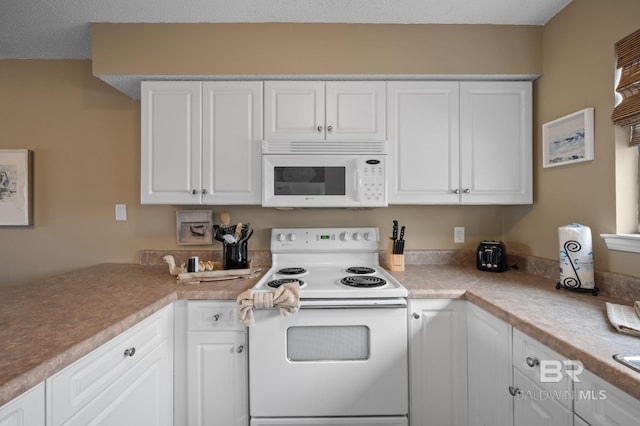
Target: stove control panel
(324, 239)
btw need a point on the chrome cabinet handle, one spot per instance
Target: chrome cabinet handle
(130, 352)
(194, 191)
(216, 317)
(416, 315)
(532, 362)
(514, 391)
(239, 349)
(329, 129)
(319, 129)
(204, 191)
(456, 191)
(466, 190)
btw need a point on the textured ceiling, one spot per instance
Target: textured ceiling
(59, 29)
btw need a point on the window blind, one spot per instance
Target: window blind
(627, 112)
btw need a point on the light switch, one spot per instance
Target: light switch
(121, 212)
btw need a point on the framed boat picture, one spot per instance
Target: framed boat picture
(568, 139)
(16, 187)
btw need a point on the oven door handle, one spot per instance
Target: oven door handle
(352, 303)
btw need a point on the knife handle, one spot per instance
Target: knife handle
(395, 230)
(402, 232)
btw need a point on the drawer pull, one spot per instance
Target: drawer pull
(240, 349)
(416, 315)
(532, 362)
(216, 317)
(514, 391)
(130, 352)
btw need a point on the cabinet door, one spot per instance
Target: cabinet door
(602, 404)
(424, 143)
(294, 110)
(171, 142)
(534, 406)
(489, 369)
(355, 110)
(496, 138)
(231, 146)
(142, 396)
(217, 379)
(438, 363)
(26, 410)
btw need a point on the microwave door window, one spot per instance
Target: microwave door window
(309, 181)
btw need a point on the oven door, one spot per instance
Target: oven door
(338, 361)
(310, 181)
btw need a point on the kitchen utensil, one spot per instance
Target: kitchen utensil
(229, 239)
(492, 256)
(238, 231)
(225, 218)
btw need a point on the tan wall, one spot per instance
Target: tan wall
(276, 48)
(578, 72)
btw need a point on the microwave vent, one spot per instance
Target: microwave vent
(324, 147)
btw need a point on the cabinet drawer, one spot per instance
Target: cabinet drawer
(80, 383)
(602, 404)
(531, 357)
(213, 315)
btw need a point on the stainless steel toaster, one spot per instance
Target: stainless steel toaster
(492, 256)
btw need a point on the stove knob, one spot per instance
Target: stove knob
(344, 236)
(292, 237)
(357, 236)
(280, 237)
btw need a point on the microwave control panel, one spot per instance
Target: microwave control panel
(374, 182)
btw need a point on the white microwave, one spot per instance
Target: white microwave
(323, 174)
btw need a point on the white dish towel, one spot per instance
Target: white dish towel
(285, 297)
(625, 319)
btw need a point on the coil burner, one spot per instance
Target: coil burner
(360, 270)
(291, 271)
(363, 281)
(279, 282)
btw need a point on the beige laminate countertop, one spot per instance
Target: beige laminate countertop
(48, 324)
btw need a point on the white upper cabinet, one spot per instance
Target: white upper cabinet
(232, 142)
(333, 110)
(201, 142)
(171, 142)
(496, 142)
(424, 142)
(460, 142)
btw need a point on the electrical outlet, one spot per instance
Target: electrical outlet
(458, 234)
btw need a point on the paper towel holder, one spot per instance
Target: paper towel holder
(594, 291)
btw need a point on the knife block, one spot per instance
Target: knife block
(395, 262)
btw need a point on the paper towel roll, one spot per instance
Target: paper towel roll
(576, 256)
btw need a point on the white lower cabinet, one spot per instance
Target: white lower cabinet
(602, 404)
(490, 372)
(533, 406)
(216, 365)
(26, 410)
(437, 362)
(128, 380)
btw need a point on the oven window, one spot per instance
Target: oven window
(309, 180)
(328, 343)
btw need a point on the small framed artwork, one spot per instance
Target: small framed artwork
(16, 187)
(568, 139)
(195, 227)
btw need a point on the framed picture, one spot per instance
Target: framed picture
(16, 192)
(194, 227)
(568, 139)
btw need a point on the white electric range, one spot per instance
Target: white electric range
(342, 358)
